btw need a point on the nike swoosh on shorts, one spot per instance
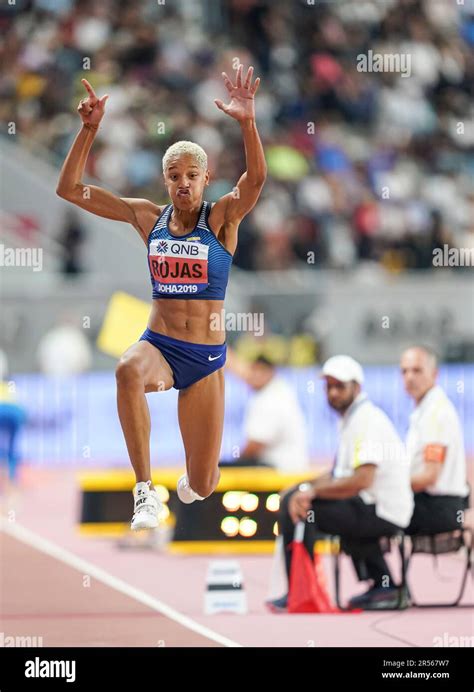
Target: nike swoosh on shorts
(214, 357)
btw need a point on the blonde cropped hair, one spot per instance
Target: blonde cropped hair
(185, 147)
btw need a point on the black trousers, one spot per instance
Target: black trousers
(437, 513)
(355, 522)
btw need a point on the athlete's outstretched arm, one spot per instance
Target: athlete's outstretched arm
(232, 208)
(140, 213)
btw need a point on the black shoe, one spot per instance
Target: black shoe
(278, 605)
(380, 598)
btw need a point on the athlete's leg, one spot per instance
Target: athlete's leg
(142, 368)
(201, 420)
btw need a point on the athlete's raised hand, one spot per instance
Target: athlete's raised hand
(91, 109)
(242, 96)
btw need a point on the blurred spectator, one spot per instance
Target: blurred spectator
(274, 427)
(64, 350)
(71, 240)
(12, 420)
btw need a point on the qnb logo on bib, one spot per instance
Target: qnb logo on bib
(179, 266)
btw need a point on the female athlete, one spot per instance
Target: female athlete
(190, 245)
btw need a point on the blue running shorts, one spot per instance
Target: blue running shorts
(189, 362)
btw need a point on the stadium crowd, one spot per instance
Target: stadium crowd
(364, 166)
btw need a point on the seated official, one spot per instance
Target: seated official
(367, 495)
(435, 447)
(274, 426)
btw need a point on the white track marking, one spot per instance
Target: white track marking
(45, 546)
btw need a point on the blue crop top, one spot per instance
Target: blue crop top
(194, 265)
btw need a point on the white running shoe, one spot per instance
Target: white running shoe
(185, 493)
(148, 507)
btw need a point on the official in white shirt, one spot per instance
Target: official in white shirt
(435, 446)
(367, 495)
(274, 425)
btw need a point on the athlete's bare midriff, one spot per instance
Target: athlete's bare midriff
(196, 321)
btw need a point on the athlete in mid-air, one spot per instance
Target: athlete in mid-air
(190, 246)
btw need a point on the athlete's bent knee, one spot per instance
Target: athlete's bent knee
(128, 372)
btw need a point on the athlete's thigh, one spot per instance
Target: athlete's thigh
(153, 366)
(201, 418)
